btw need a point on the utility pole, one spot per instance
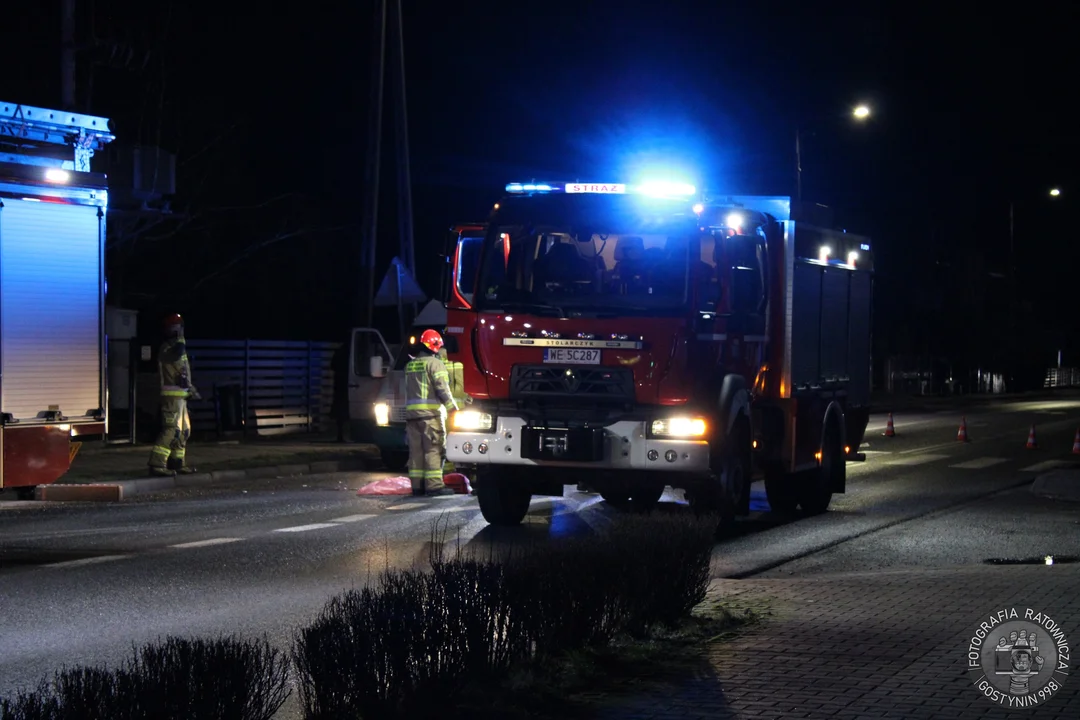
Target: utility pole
(1013, 340)
(405, 214)
(385, 12)
(67, 55)
(374, 162)
(798, 164)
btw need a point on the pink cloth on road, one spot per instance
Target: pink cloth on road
(387, 486)
(403, 486)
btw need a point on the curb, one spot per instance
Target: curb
(116, 491)
(1061, 484)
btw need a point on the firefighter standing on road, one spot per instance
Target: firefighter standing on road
(427, 392)
(167, 455)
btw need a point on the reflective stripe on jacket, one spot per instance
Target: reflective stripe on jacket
(427, 388)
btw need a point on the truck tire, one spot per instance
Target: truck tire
(503, 501)
(395, 459)
(617, 498)
(729, 492)
(645, 498)
(816, 494)
(780, 492)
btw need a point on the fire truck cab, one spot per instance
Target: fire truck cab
(637, 337)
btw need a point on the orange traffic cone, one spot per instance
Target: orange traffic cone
(961, 434)
(1031, 444)
(1076, 443)
(889, 430)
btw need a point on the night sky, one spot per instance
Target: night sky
(267, 112)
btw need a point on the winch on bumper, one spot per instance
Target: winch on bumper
(670, 444)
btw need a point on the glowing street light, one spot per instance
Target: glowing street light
(860, 113)
(1055, 192)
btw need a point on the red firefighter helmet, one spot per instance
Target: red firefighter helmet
(431, 340)
(172, 321)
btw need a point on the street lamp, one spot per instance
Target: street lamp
(860, 112)
(1054, 192)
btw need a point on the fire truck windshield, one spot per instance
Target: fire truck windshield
(587, 268)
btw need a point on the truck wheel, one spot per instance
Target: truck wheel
(780, 492)
(615, 497)
(395, 459)
(646, 497)
(503, 502)
(733, 469)
(816, 494)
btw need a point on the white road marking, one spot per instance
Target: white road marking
(916, 459)
(1045, 465)
(407, 506)
(351, 518)
(979, 463)
(303, 528)
(86, 561)
(207, 543)
(458, 508)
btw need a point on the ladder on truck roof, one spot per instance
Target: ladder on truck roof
(28, 126)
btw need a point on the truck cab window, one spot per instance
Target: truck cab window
(365, 346)
(468, 260)
(745, 256)
(590, 268)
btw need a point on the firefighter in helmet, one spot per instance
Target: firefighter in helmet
(427, 392)
(167, 455)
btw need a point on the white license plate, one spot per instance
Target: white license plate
(572, 356)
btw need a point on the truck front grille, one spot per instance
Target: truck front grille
(577, 382)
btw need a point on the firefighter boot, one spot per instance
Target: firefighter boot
(177, 466)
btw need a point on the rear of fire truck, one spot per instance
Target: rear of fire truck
(52, 290)
(609, 337)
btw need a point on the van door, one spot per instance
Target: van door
(365, 376)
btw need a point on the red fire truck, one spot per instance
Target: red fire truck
(637, 337)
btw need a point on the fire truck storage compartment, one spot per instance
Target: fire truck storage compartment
(50, 311)
(830, 329)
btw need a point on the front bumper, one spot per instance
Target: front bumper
(391, 437)
(625, 447)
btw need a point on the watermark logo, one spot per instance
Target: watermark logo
(1019, 658)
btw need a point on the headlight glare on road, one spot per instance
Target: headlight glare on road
(683, 427)
(382, 414)
(471, 420)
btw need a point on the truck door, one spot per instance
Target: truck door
(749, 301)
(369, 361)
(464, 267)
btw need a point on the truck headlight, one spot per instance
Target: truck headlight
(382, 414)
(683, 427)
(470, 420)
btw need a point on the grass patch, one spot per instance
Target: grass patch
(575, 683)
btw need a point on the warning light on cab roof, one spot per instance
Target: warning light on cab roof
(654, 189)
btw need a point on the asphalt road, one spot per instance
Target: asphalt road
(80, 583)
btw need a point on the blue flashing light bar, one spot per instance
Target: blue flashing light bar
(652, 189)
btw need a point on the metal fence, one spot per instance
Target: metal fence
(1062, 377)
(262, 387)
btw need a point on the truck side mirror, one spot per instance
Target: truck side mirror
(376, 367)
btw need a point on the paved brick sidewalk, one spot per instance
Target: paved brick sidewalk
(870, 645)
(99, 463)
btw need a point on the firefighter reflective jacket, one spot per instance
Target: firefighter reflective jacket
(174, 369)
(427, 388)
